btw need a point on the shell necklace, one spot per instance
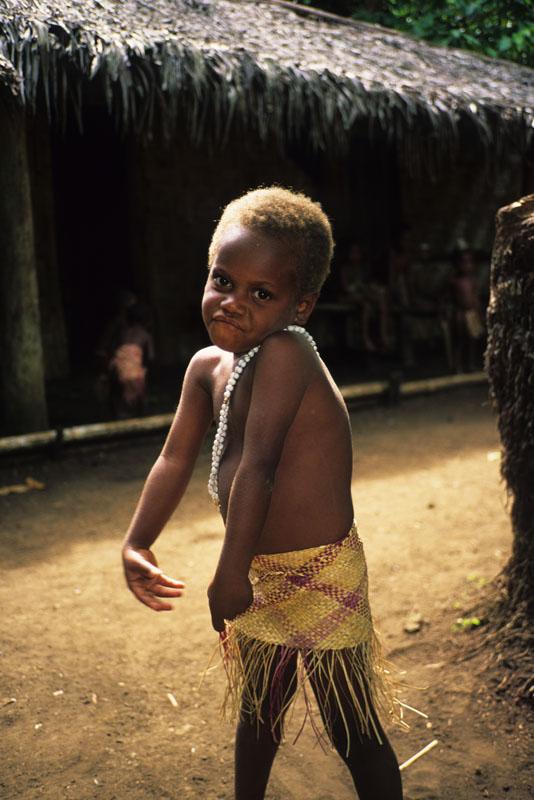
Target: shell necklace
(222, 427)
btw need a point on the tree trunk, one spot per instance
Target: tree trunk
(510, 363)
(21, 371)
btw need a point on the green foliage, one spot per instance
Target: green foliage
(498, 28)
(478, 580)
(466, 624)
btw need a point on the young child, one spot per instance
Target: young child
(289, 594)
(134, 349)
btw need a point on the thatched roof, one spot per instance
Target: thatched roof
(218, 63)
(8, 76)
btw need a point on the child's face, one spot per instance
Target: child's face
(251, 291)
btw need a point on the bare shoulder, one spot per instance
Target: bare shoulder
(203, 365)
(288, 350)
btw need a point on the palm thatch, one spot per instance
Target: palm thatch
(9, 77)
(225, 66)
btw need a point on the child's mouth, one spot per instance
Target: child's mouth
(226, 321)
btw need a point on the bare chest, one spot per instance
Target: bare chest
(239, 401)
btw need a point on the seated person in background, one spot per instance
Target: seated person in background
(372, 299)
(127, 366)
(418, 287)
(467, 320)
(107, 343)
(427, 281)
(401, 300)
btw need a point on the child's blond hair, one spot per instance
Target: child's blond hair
(293, 219)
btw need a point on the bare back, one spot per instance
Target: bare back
(311, 500)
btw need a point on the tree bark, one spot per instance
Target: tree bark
(510, 364)
(21, 368)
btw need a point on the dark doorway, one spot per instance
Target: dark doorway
(92, 223)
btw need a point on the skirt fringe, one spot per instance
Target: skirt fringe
(258, 686)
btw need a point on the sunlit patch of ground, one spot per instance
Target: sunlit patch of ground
(101, 698)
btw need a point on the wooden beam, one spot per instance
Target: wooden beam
(125, 427)
(85, 433)
(427, 385)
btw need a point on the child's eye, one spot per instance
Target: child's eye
(221, 281)
(262, 294)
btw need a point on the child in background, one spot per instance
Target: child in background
(107, 344)
(289, 594)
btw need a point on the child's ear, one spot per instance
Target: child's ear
(305, 306)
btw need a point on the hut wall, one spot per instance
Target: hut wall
(460, 200)
(376, 205)
(176, 195)
(53, 331)
(358, 190)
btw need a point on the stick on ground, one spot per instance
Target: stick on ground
(422, 752)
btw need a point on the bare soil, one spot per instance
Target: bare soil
(100, 697)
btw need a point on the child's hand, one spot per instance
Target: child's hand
(228, 598)
(146, 580)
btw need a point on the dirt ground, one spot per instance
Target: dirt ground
(100, 697)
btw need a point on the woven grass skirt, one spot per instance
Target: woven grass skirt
(310, 615)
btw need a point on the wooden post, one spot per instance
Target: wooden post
(53, 329)
(21, 356)
(510, 363)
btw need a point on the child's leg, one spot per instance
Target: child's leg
(373, 766)
(256, 742)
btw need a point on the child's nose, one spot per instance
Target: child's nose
(232, 303)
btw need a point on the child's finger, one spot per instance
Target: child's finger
(150, 600)
(158, 606)
(167, 591)
(166, 581)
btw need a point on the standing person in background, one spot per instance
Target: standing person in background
(467, 324)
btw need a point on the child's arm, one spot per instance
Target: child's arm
(284, 369)
(163, 490)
